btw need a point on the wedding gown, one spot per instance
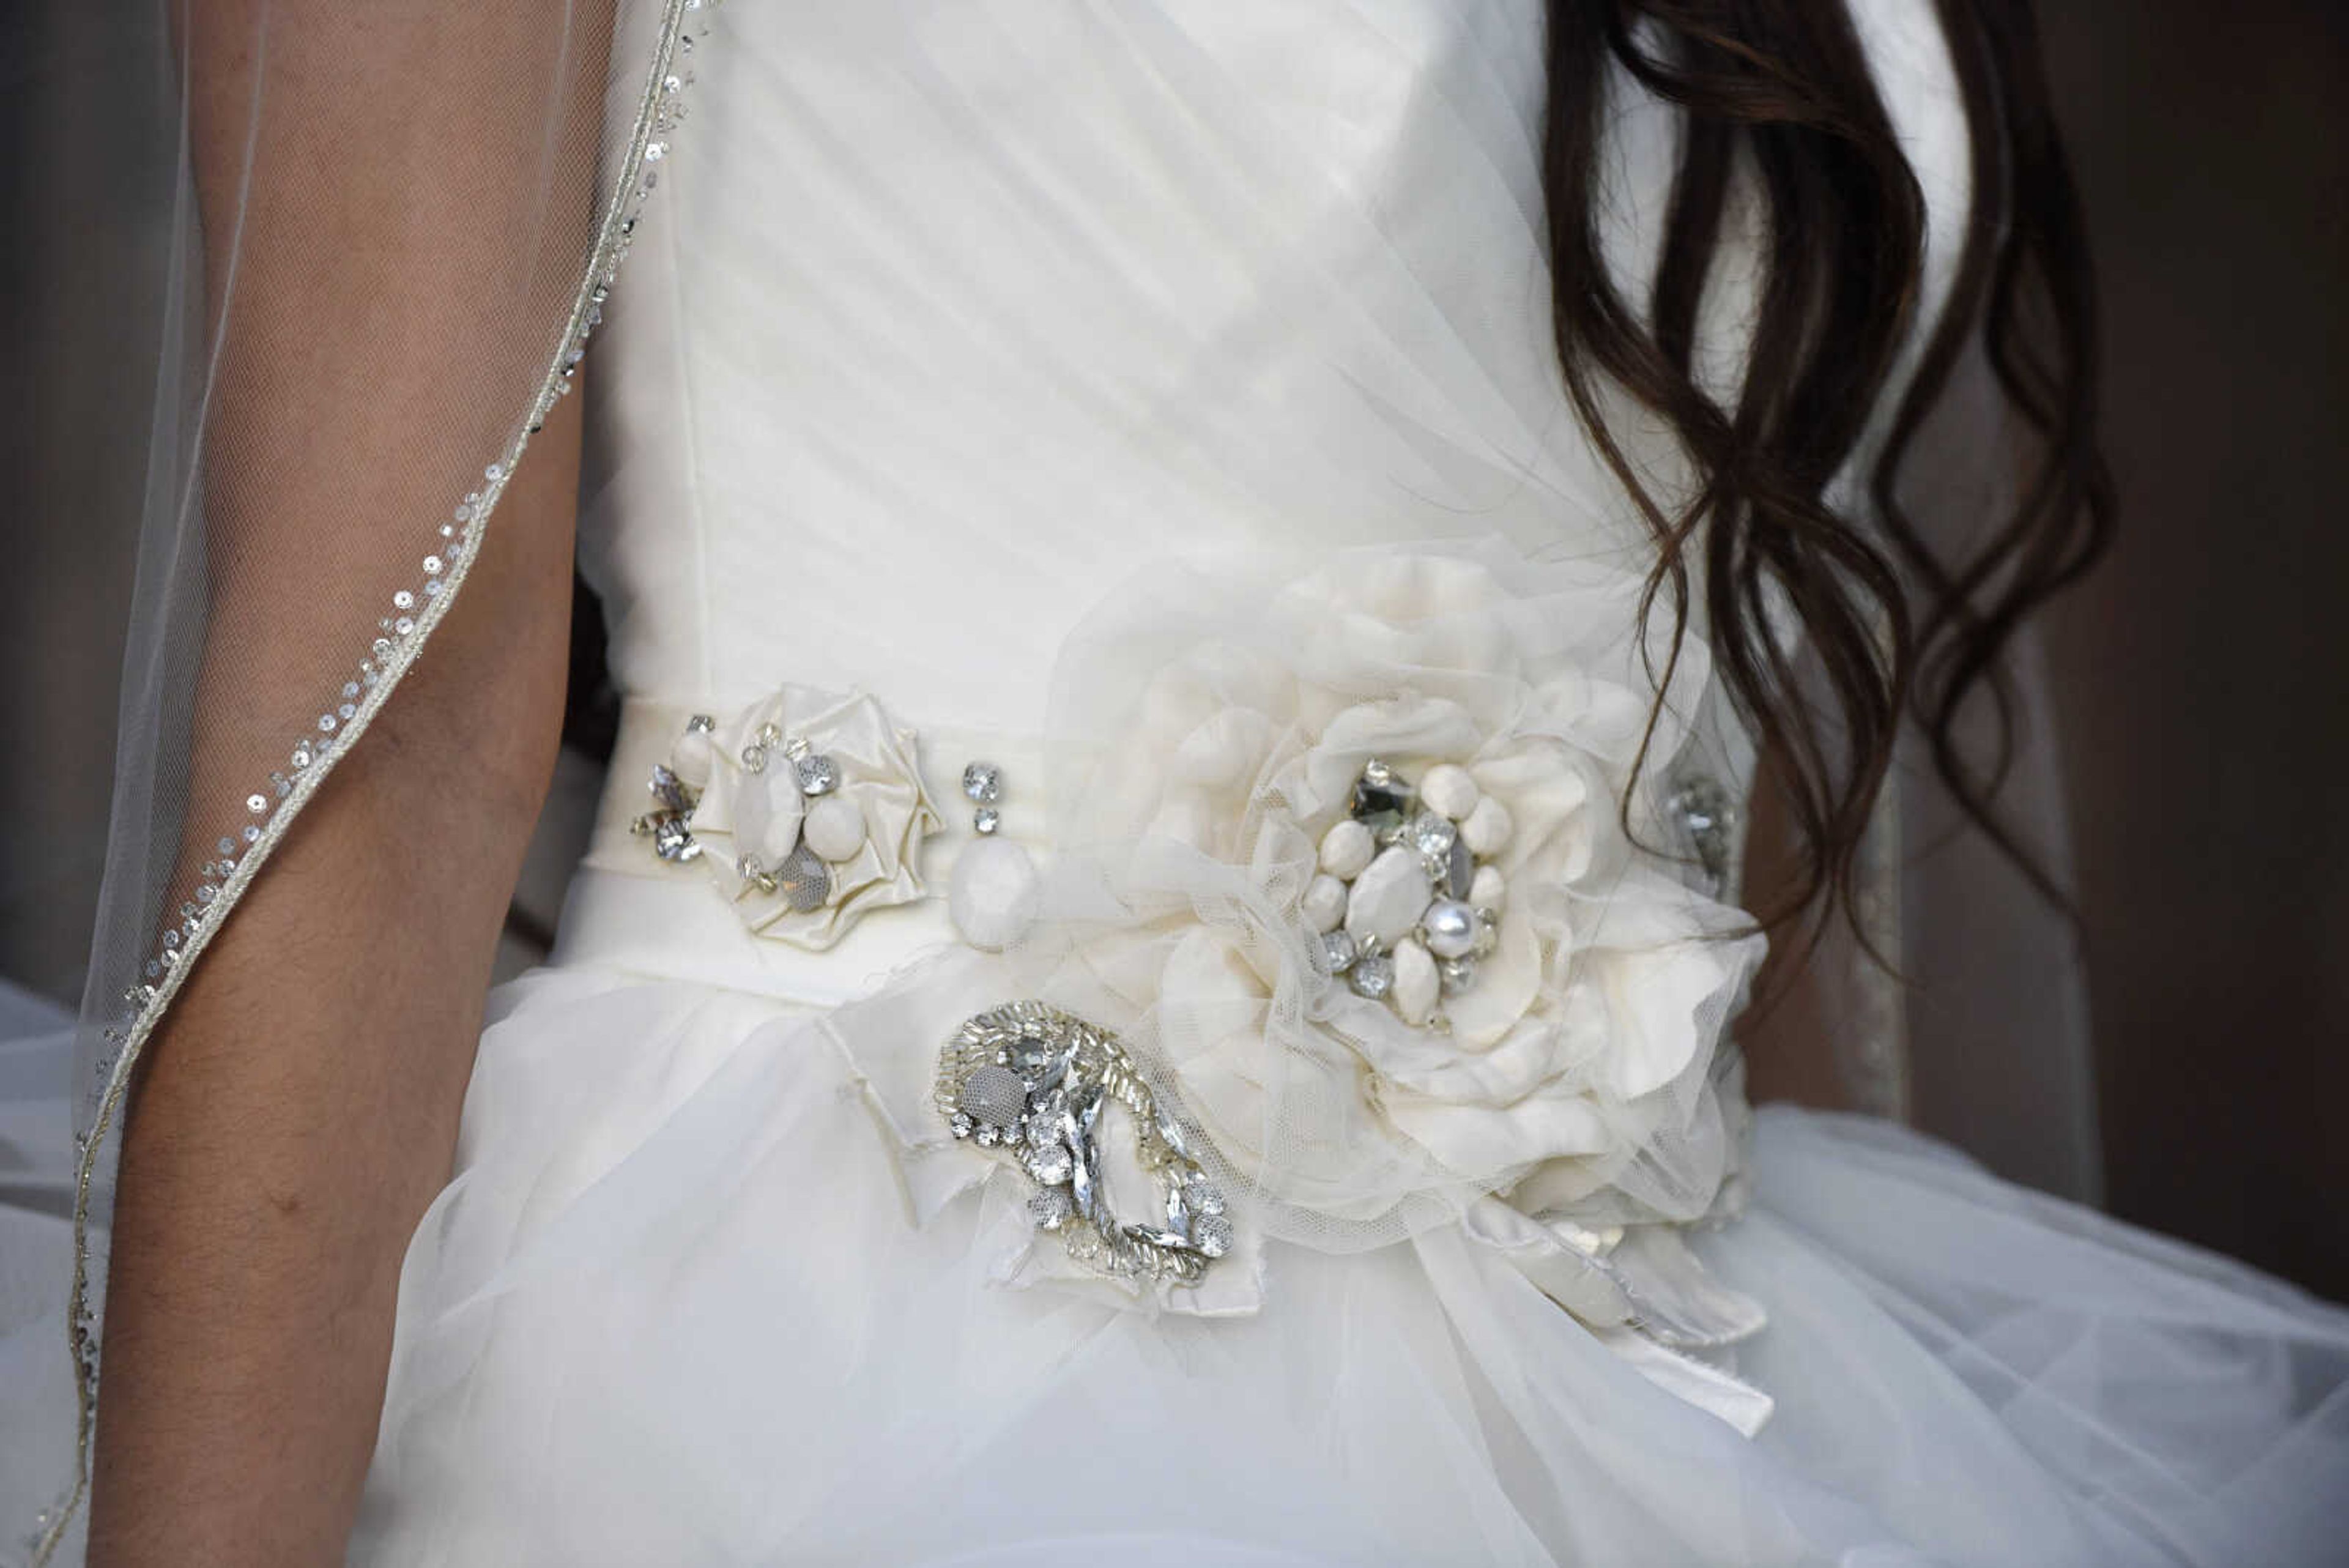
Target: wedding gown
(1103, 393)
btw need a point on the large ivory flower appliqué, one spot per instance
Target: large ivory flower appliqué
(1543, 993)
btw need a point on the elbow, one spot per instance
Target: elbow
(484, 702)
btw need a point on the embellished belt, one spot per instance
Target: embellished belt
(1354, 907)
(650, 730)
(827, 811)
(666, 918)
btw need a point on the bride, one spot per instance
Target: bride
(1239, 625)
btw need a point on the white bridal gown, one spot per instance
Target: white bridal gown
(948, 321)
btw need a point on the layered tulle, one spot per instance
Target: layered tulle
(674, 1307)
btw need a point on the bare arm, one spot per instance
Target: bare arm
(298, 1109)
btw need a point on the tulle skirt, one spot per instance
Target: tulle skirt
(671, 1309)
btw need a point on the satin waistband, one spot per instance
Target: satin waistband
(630, 910)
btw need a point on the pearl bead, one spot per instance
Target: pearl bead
(1347, 849)
(993, 894)
(1324, 903)
(834, 828)
(1416, 984)
(1488, 889)
(1450, 929)
(767, 818)
(1448, 789)
(1486, 828)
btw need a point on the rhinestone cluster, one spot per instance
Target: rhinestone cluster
(1701, 811)
(1031, 1082)
(831, 829)
(1407, 900)
(982, 786)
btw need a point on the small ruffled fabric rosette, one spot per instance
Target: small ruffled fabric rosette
(806, 810)
(1261, 778)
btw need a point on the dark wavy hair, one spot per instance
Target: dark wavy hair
(1779, 92)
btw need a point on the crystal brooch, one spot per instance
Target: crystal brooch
(1033, 1081)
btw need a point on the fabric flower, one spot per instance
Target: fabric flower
(753, 813)
(1213, 730)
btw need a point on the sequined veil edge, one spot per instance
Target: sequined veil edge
(655, 111)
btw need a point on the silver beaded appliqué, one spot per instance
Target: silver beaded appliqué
(415, 610)
(1032, 1083)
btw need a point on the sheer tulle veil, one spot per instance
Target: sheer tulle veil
(1990, 1007)
(330, 435)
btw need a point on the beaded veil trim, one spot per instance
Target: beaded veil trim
(417, 610)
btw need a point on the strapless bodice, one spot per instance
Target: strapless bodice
(952, 318)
